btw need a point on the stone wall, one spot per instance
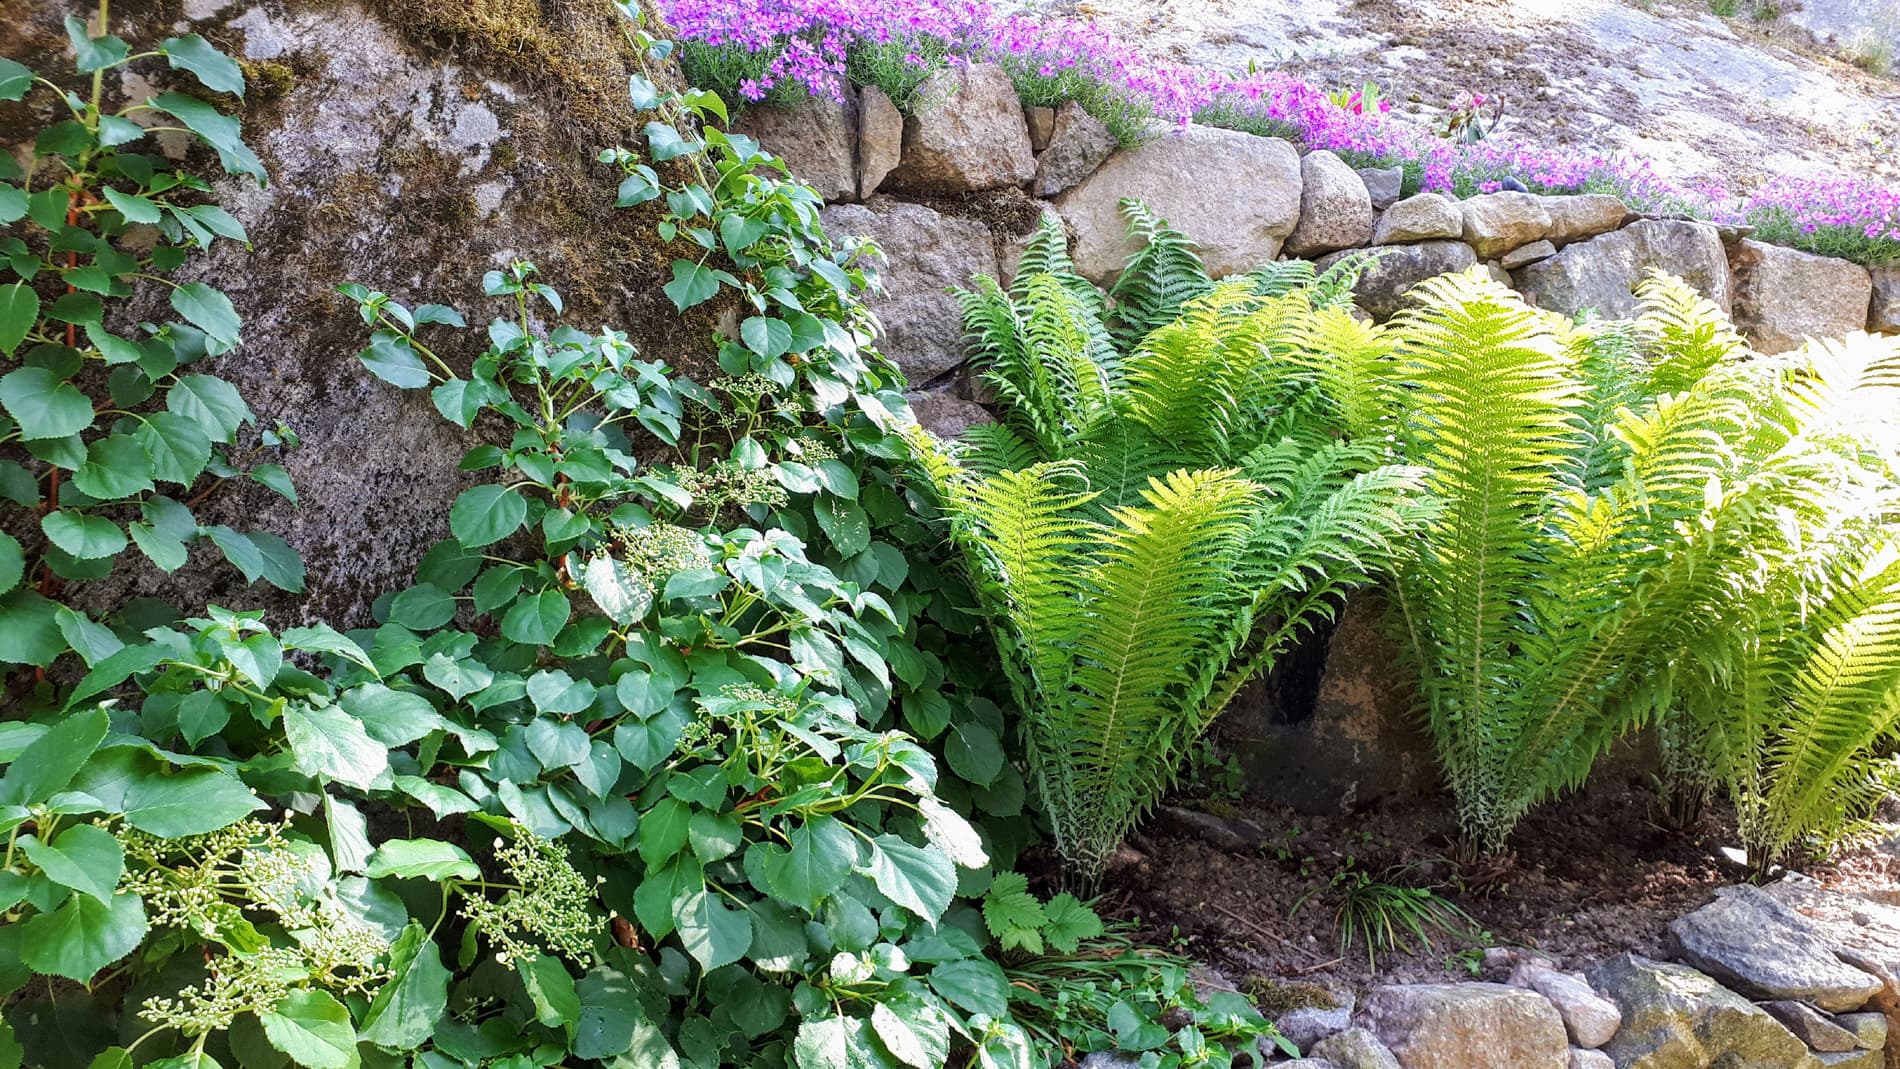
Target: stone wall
(954, 190)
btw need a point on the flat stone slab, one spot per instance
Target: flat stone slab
(1761, 948)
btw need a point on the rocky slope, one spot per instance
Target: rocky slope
(1701, 96)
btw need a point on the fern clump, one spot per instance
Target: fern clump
(1639, 526)
(1161, 511)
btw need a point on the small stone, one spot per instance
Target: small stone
(1869, 1029)
(1883, 315)
(1763, 949)
(880, 139)
(1677, 1018)
(1382, 288)
(1335, 208)
(1811, 1026)
(1425, 217)
(1529, 254)
(1110, 1059)
(971, 136)
(1221, 834)
(1590, 1059)
(1259, 180)
(1784, 296)
(1584, 215)
(1496, 223)
(818, 140)
(1076, 147)
(1589, 1018)
(1354, 1048)
(1459, 1026)
(1307, 1025)
(1385, 185)
(946, 415)
(1042, 125)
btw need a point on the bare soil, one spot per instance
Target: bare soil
(1590, 876)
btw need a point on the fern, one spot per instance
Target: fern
(1144, 539)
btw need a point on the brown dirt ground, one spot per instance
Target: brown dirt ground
(1593, 875)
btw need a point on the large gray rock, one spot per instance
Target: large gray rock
(1382, 288)
(1677, 1018)
(1385, 184)
(880, 139)
(1883, 314)
(1864, 934)
(412, 165)
(1425, 217)
(1818, 1030)
(1603, 272)
(1335, 208)
(818, 140)
(925, 254)
(1760, 947)
(1590, 1018)
(1258, 179)
(970, 135)
(1466, 1026)
(1354, 1048)
(1078, 143)
(1585, 215)
(1496, 223)
(1785, 296)
(1853, 1059)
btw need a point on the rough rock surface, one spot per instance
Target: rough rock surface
(1350, 741)
(1863, 933)
(1496, 223)
(1077, 145)
(1584, 215)
(880, 139)
(973, 137)
(1869, 1029)
(1853, 1059)
(818, 140)
(1458, 1026)
(1811, 1026)
(1761, 948)
(1335, 207)
(1590, 1018)
(1883, 314)
(411, 153)
(926, 254)
(1307, 1025)
(1385, 184)
(1354, 1048)
(1424, 217)
(945, 414)
(1603, 272)
(1258, 179)
(1784, 296)
(1590, 1059)
(1526, 255)
(1382, 288)
(1042, 126)
(1677, 1018)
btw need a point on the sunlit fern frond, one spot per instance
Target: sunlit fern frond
(1683, 332)
(1033, 354)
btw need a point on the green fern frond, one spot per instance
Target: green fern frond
(1163, 275)
(1684, 332)
(1034, 355)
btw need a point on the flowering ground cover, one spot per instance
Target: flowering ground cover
(782, 51)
